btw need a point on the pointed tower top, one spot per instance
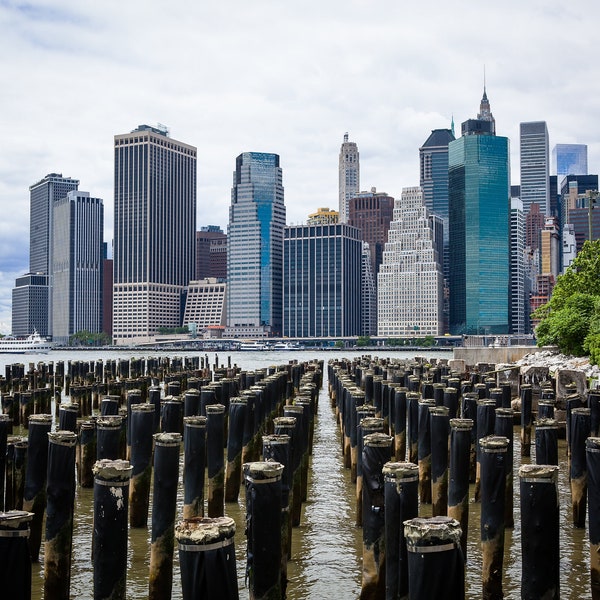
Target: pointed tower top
(485, 112)
(452, 124)
(346, 137)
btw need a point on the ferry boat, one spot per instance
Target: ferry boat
(32, 344)
(252, 345)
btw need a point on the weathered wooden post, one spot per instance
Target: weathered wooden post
(207, 558)
(111, 493)
(540, 570)
(15, 562)
(215, 461)
(164, 504)
(194, 466)
(59, 514)
(401, 501)
(546, 442)
(376, 452)
(142, 425)
(263, 508)
(580, 431)
(440, 431)
(436, 566)
(458, 486)
(592, 445)
(493, 500)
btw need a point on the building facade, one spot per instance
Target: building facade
(211, 253)
(570, 159)
(349, 176)
(322, 281)
(154, 232)
(255, 247)
(410, 280)
(205, 303)
(372, 212)
(479, 188)
(519, 288)
(77, 240)
(535, 166)
(30, 305)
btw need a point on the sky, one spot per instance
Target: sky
(283, 77)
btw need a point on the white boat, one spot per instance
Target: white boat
(286, 346)
(252, 345)
(32, 344)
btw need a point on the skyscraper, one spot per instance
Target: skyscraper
(372, 213)
(77, 238)
(349, 175)
(519, 305)
(31, 306)
(479, 189)
(409, 290)
(155, 228)
(43, 195)
(569, 159)
(322, 281)
(255, 246)
(535, 166)
(433, 160)
(211, 253)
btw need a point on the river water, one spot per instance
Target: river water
(327, 546)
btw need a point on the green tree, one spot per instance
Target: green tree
(571, 318)
(87, 338)
(363, 340)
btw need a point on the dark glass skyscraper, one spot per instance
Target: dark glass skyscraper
(155, 231)
(479, 189)
(322, 281)
(255, 246)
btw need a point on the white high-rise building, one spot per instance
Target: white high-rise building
(349, 171)
(409, 290)
(519, 304)
(368, 293)
(535, 166)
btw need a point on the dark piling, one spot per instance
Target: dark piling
(194, 465)
(526, 418)
(424, 450)
(111, 493)
(164, 504)
(440, 431)
(580, 431)
(504, 427)
(142, 424)
(215, 462)
(592, 445)
(546, 442)
(15, 563)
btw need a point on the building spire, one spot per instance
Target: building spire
(485, 112)
(452, 125)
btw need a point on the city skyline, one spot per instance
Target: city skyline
(316, 85)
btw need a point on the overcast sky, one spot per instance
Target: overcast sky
(286, 77)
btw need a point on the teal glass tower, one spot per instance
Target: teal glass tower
(255, 247)
(479, 215)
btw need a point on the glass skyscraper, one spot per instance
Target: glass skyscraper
(155, 232)
(255, 247)
(569, 159)
(322, 280)
(479, 191)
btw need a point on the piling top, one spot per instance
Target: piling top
(237, 400)
(69, 406)
(273, 440)
(435, 531)
(378, 439)
(13, 519)
(143, 407)
(200, 531)
(263, 471)
(40, 419)
(294, 408)
(112, 470)
(5, 417)
(439, 411)
(215, 409)
(542, 473)
(110, 421)
(167, 439)
(493, 443)
(581, 411)
(592, 444)
(400, 470)
(371, 423)
(505, 412)
(194, 421)
(462, 424)
(286, 422)
(546, 423)
(426, 402)
(62, 437)
(368, 409)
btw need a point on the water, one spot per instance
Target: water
(327, 547)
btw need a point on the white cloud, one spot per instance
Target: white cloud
(289, 78)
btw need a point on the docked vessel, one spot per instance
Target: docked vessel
(32, 344)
